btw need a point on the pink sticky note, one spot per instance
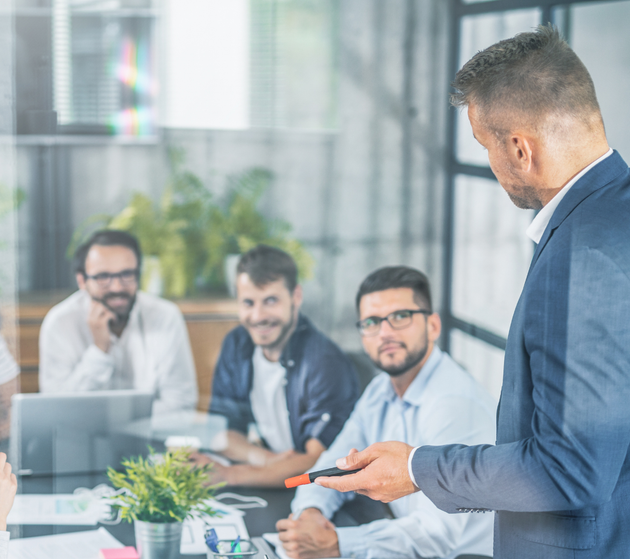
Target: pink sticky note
(119, 553)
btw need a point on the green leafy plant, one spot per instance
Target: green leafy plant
(172, 230)
(170, 489)
(236, 226)
(191, 234)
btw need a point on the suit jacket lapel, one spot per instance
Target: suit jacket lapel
(598, 177)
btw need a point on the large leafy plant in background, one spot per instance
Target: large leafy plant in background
(236, 226)
(191, 234)
(171, 230)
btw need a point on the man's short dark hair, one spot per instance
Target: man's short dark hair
(264, 264)
(394, 277)
(106, 237)
(534, 73)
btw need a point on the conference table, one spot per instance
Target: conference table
(257, 520)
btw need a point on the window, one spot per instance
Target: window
(487, 251)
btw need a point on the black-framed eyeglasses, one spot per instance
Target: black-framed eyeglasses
(126, 277)
(398, 320)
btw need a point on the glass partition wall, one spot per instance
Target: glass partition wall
(487, 253)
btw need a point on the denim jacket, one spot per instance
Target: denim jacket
(322, 384)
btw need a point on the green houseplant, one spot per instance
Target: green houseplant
(158, 494)
(189, 235)
(170, 232)
(236, 226)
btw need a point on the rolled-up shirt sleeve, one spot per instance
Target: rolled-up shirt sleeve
(4, 545)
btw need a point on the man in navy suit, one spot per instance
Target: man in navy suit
(559, 475)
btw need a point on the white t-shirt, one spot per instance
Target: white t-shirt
(269, 402)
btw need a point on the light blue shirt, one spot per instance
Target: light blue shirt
(443, 405)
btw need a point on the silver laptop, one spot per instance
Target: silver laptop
(75, 432)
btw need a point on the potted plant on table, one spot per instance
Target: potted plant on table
(159, 493)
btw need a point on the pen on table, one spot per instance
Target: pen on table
(305, 479)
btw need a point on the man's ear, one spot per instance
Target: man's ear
(80, 280)
(297, 296)
(521, 151)
(434, 326)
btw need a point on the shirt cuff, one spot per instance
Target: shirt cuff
(352, 541)
(410, 469)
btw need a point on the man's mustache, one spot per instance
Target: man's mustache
(391, 342)
(121, 295)
(264, 323)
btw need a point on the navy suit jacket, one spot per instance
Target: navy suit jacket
(559, 476)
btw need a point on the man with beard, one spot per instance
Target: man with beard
(278, 379)
(108, 335)
(422, 398)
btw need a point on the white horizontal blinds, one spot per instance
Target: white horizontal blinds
(96, 95)
(293, 72)
(62, 63)
(104, 78)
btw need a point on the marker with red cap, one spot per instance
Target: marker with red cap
(305, 479)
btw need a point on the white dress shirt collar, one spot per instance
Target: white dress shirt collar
(539, 223)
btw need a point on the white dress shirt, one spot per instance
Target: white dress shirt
(152, 354)
(8, 367)
(443, 405)
(539, 223)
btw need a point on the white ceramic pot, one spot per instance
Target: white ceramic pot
(229, 271)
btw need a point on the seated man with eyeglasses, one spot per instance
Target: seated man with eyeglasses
(422, 398)
(108, 335)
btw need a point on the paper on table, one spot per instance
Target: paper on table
(274, 539)
(77, 545)
(77, 510)
(228, 527)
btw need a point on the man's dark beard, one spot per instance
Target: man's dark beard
(283, 333)
(412, 360)
(121, 317)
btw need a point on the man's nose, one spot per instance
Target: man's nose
(116, 281)
(257, 313)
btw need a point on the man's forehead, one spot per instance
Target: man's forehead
(105, 256)
(246, 287)
(396, 298)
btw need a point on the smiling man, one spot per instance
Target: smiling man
(422, 398)
(108, 335)
(278, 379)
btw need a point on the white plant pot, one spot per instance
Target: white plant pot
(229, 271)
(152, 281)
(158, 540)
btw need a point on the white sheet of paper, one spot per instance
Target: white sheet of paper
(77, 510)
(77, 545)
(228, 527)
(274, 539)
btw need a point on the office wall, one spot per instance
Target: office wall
(364, 195)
